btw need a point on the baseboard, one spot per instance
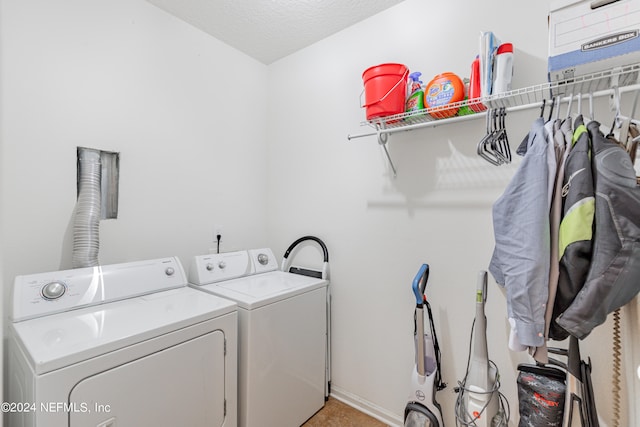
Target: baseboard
(366, 407)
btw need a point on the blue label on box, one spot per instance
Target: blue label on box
(609, 40)
(597, 50)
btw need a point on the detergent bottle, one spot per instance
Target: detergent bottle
(415, 99)
(503, 68)
(443, 89)
(474, 87)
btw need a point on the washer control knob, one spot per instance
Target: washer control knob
(53, 290)
(209, 266)
(263, 259)
(169, 271)
(222, 265)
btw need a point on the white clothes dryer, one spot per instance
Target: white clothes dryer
(121, 345)
(282, 334)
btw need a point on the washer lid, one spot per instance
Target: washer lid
(59, 340)
(261, 289)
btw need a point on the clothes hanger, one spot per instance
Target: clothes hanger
(633, 114)
(505, 149)
(554, 111)
(633, 108)
(616, 116)
(498, 146)
(569, 107)
(557, 115)
(553, 104)
(498, 135)
(494, 146)
(622, 122)
(484, 148)
(631, 144)
(579, 104)
(635, 103)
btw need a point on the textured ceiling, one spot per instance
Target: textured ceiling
(268, 30)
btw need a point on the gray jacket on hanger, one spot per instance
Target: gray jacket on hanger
(614, 275)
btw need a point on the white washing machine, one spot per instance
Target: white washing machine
(121, 345)
(282, 335)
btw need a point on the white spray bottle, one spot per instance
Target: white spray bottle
(503, 71)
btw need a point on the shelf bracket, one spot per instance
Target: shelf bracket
(382, 140)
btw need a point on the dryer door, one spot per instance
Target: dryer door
(182, 385)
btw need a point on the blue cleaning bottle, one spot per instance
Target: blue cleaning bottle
(415, 100)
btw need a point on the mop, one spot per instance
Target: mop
(479, 402)
(422, 409)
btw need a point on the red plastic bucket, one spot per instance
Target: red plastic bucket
(385, 90)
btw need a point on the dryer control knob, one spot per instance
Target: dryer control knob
(169, 271)
(222, 265)
(209, 267)
(263, 259)
(53, 290)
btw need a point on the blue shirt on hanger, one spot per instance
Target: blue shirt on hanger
(520, 260)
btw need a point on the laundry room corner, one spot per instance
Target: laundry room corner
(380, 228)
(219, 154)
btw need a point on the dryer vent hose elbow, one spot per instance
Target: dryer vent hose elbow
(86, 226)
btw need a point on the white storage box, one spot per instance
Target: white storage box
(587, 37)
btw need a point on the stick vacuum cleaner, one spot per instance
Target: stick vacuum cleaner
(423, 410)
(479, 402)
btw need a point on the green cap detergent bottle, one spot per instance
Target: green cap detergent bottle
(415, 100)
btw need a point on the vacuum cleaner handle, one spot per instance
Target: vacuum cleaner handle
(481, 287)
(420, 284)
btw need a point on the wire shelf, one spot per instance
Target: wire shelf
(525, 97)
(612, 81)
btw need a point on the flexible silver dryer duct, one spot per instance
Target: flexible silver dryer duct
(86, 226)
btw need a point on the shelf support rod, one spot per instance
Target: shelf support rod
(382, 140)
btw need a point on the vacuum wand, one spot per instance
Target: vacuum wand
(479, 365)
(478, 403)
(419, 286)
(423, 410)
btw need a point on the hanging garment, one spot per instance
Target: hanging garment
(614, 275)
(555, 149)
(552, 161)
(576, 227)
(561, 146)
(520, 260)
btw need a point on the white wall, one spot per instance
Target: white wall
(124, 76)
(200, 145)
(380, 230)
(184, 110)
